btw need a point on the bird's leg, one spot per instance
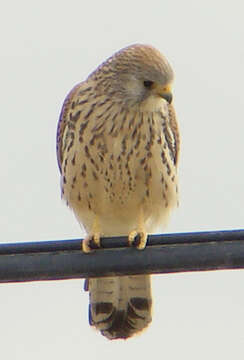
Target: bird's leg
(138, 237)
(94, 237)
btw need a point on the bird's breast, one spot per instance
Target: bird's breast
(117, 169)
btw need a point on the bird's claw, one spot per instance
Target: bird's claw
(137, 239)
(91, 242)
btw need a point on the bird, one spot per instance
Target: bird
(118, 147)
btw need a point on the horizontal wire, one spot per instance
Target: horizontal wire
(121, 241)
(168, 253)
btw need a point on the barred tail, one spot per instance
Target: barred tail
(120, 306)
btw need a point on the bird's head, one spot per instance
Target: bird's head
(136, 75)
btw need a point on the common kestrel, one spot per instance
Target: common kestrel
(117, 149)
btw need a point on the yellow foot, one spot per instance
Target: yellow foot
(138, 239)
(89, 240)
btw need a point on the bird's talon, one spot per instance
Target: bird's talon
(137, 239)
(131, 237)
(141, 240)
(86, 245)
(90, 243)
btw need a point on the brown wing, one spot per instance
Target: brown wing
(63, 121)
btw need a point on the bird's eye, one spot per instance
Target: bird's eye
(148, 84)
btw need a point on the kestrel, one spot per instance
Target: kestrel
(117, 149)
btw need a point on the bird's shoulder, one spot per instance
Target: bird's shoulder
(71, 109)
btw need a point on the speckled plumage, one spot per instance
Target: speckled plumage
(117, 147)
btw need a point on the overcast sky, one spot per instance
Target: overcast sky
(46, 48)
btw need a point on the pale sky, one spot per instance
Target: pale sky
(46, 48)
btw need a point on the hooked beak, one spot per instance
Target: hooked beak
(165, 92)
